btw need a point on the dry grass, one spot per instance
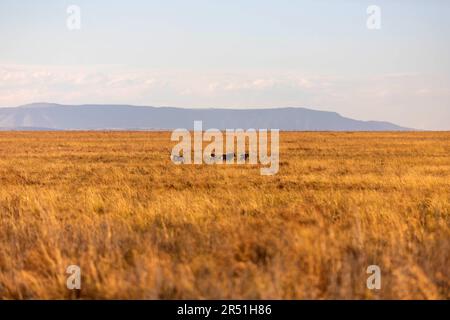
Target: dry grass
(141, 227)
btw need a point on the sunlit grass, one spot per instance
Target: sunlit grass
(141, 227)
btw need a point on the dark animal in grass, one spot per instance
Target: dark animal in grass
(229, 156)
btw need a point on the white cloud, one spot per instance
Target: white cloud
(404, 98)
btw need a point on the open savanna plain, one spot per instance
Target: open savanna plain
(141, 227)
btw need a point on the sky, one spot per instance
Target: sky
(318, 54)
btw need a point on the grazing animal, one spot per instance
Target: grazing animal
(177, 159)
(228, 156)
(213, 158)
(244, 156)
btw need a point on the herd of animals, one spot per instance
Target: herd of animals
(214, 158)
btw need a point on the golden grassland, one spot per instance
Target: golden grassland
(141, 227)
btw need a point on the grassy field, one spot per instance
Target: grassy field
(141, 227)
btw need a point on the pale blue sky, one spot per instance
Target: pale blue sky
(233, 53)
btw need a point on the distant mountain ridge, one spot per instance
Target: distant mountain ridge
(52, 116)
